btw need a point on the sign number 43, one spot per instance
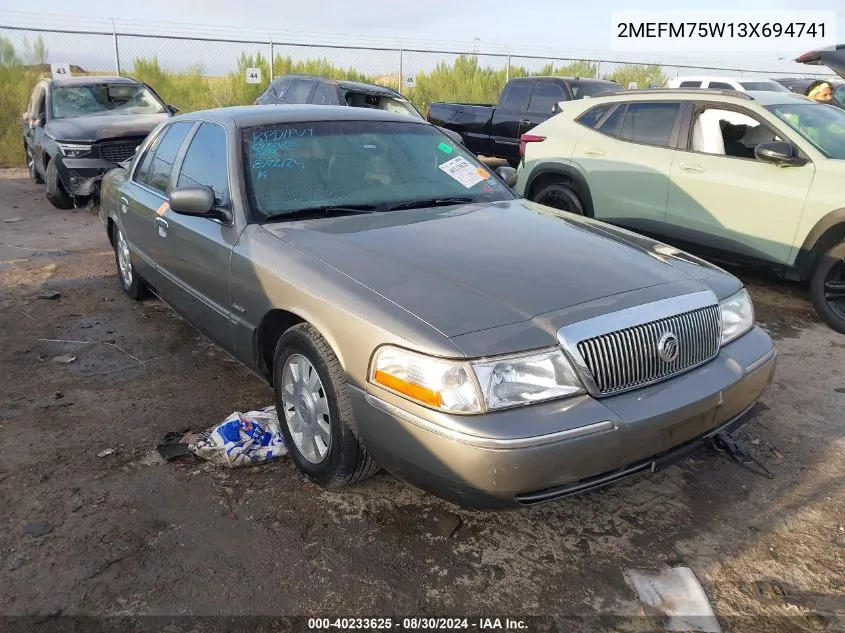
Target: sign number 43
(60, 70)
(253, 75)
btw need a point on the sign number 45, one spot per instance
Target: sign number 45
(60, 70)
(253, 75)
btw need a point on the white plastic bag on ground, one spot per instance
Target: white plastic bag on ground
(242, 439)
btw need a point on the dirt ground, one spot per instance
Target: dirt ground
(126, 534)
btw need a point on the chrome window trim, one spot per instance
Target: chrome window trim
(570, 335)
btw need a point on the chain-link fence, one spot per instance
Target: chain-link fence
(193, 72)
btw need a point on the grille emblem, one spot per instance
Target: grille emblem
(667, 347)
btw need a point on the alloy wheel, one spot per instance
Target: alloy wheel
(306, 408)
(123, 260)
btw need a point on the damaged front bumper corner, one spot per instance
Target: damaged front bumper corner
(81, 176)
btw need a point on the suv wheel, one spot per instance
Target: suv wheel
(31, 168)
(56, 193)
(315, 412)
(827, 287)
(560, 196)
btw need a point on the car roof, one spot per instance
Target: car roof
(557, 78)
(256, 115)
(719, 78)
(348, 85)
(763, 98)
(91, 80)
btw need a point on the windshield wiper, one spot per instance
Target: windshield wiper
(431, 202)
(325, 210)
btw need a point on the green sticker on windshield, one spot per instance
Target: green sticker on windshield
(445, 147)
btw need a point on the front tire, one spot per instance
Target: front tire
(560, 196)
(56, 193)
(315, 411)
(130, 280)
(827, 287)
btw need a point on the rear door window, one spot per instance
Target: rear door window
(325, 94)
(516, 95)
(300, 91)
(205, 162)
(545, 96)
(157, 172)
(613, 124)
(592, 116)
(650, 123)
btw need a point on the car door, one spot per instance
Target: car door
(34, 122)
(735, 203)
(507, 118)
(145, 192)
(542, 105)
(192, 252)
(626, 161)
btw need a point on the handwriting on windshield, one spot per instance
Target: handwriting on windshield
(278, 163)
(271, 149)
(274, 136)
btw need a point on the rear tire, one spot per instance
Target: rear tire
(56, 193)
(317, 407)
(827, 287)
(559, 196)
(31, 168)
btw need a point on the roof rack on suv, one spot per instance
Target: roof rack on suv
(705, 91)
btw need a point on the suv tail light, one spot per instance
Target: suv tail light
(528, 138)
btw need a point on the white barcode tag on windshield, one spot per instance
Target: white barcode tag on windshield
(462, 170)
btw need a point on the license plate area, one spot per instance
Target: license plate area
(686, 430)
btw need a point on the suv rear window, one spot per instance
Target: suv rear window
(592, 116)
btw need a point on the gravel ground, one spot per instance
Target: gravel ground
(127, 534)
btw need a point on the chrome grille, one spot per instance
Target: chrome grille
(629, 358)
(118, 151)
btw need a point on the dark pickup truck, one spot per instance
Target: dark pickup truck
(525, 102)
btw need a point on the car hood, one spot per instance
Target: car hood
(833, 58)
(103, 126)
(477, 266)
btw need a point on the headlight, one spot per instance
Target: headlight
(737, 316)
(474, 387)
(73, 150)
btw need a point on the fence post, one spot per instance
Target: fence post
(598, 69)
(116, 49)
(508, 68)
(401, 75)
(272, 54)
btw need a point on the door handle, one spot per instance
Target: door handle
(591, 151)
(689, 167)
(162, 223)
(124, 203)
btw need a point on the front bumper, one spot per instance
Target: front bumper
(82, 176)
(584, 443)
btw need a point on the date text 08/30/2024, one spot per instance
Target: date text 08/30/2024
(417, 624)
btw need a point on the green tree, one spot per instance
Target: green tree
(643, 74)
(578, 68)
(35, 53)
(8, 55)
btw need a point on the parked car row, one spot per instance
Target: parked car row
(490, 336)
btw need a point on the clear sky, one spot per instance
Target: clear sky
(567, 26)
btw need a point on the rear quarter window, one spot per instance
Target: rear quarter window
(591, 117)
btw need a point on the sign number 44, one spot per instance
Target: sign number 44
(253, 75)
(60, 70)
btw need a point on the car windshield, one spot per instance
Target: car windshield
(381, 102)
(764, 86)
(380, 164)
(94, 99)
(822, 125)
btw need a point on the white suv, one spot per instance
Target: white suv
(727, 83)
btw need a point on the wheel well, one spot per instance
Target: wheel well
(832, 236)
(110, 231)
(272, 326)
(551, 177)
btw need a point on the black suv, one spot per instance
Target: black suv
(76, 129)
(321, 91)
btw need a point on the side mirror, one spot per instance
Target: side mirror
(777, 152)
(508, 174)
(192, 201)
(173, 109)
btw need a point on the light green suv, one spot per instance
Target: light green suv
(754, 178)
